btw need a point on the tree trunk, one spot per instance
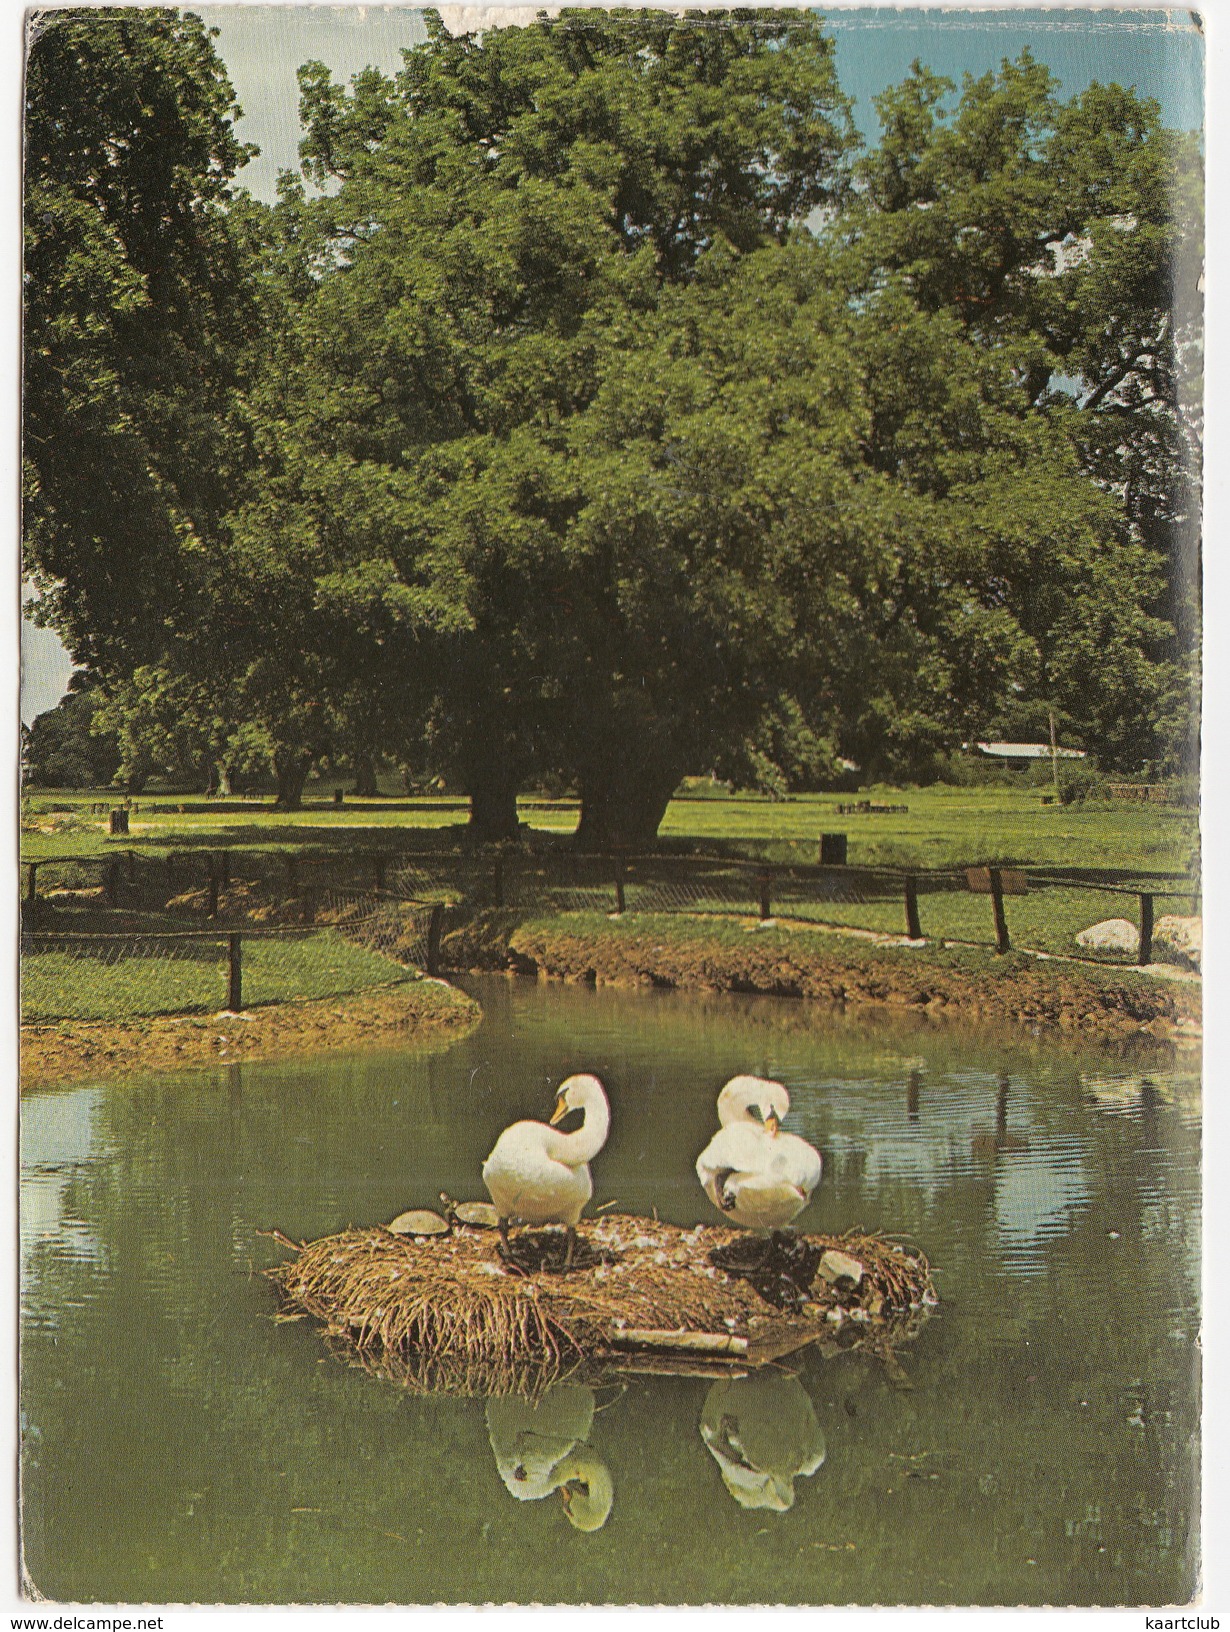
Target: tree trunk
(225, 788)
(493, 806)
(365, 776)
(291, 770)
(624, 812)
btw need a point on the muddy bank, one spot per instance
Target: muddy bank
(426, 1012)
(965, 984)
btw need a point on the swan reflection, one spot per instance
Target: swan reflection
(542, 1447)
(763, 1433)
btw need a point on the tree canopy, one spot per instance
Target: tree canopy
(550, 440)
(136, 306)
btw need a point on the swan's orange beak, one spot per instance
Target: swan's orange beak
(771, 1122)
(560, 1111)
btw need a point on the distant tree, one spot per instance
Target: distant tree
(164, 727)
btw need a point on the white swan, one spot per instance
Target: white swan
(541, 1176)
(757, 1175)
(541, 1447)
(763, 1434)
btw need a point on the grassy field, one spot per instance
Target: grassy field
(940, 828)
(1044, 920)
(943, 827)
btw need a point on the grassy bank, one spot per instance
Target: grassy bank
(676, 951)
(701, 943)
(1044, 920)
(425, 1013)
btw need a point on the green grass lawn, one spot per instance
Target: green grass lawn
(1044, 920)
(944, 827)
(190, 976)
(951, 827)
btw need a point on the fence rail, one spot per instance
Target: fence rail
(74, 974)
(365, 895)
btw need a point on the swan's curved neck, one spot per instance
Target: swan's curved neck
(734, 1105)
(590, 1491)
(589, 1138)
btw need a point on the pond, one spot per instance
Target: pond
(1041, 1446)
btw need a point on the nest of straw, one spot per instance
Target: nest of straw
(447, 1313)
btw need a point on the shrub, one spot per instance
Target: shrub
(1080, 782)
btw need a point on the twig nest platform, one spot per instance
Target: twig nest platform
(448, 1311)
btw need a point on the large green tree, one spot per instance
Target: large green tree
(545, 438)
(136, 313)
(508, 214)
(1067, 238)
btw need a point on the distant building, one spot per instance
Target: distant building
(1018, 753)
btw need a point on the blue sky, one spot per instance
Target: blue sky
(1159, 52)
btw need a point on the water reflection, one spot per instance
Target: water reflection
(1002, 1139)
(761, 1430)
(763, 1434)
(542, 1446)
(60, 1144)
(181, 1447)
(1127, 1093)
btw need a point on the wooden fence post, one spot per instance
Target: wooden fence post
(912, 926)
(435, 925)
(766, 893)
(234, 994)
(1146, 930)
(1002, 943)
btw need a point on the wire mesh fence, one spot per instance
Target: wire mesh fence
(68, 974)
(380, 902)
(1062, 919)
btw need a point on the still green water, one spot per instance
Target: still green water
(179, 1446)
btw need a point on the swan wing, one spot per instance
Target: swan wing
(525, 1181)
(747, 1177)
(740, 1148)
(801, 1162)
